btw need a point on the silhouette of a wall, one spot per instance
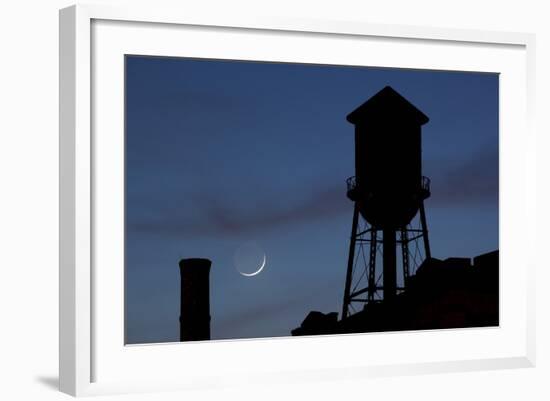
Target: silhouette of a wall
(450, 293)
(195, 299)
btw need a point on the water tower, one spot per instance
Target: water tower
(388, 191)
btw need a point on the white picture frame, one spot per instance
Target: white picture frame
(93, 360)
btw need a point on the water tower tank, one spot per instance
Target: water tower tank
(388, 185)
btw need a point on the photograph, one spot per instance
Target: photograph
(270, 199)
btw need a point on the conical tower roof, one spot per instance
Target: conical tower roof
(387, 104)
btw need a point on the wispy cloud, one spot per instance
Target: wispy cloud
(220, 218)
(472, 182)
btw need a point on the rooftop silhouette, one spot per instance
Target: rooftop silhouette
(443, 294)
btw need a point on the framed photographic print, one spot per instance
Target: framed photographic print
(277, 199)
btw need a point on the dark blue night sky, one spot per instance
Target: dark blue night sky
(220, 153)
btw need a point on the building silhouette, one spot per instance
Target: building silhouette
(443, 294)
(195, 299)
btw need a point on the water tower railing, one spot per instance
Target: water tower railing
(351, 183)
(425, 183)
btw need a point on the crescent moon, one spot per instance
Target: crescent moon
(257, 271)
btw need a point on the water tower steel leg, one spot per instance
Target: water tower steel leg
(405, 255)
(389, 263)
(372, 265)
(427, 252)
(351, 258)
